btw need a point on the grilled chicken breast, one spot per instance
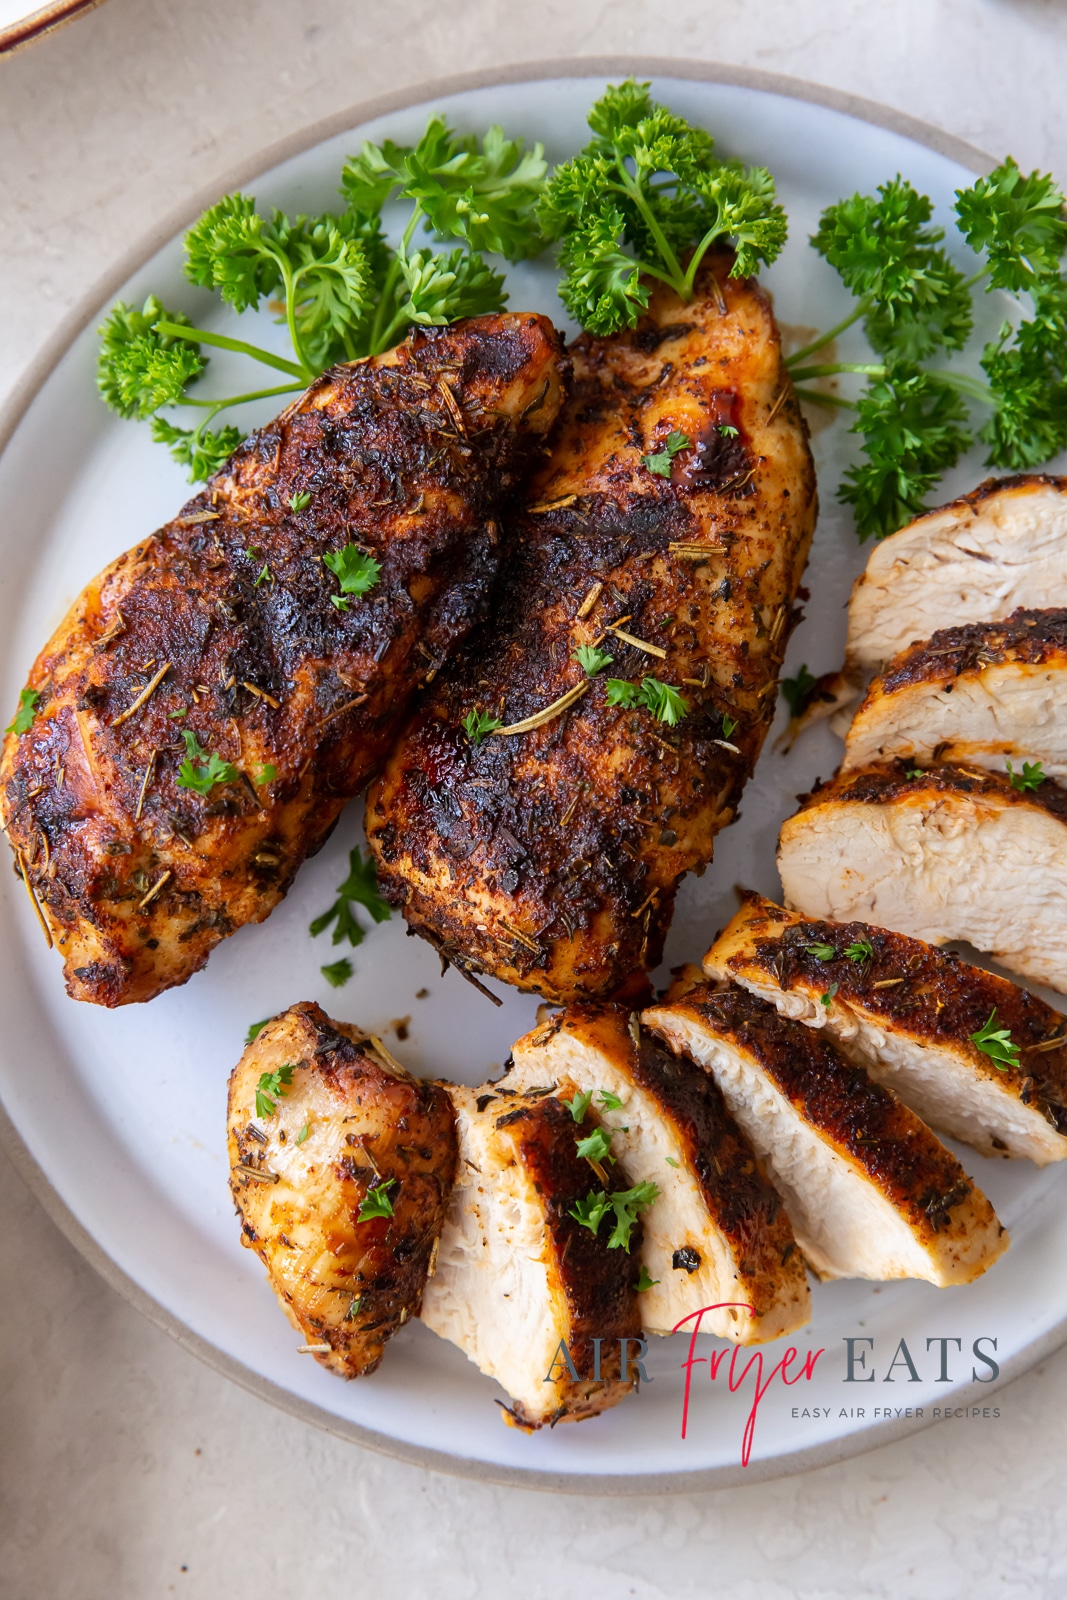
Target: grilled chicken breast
(949, 853)
(978, 559)
(341, 1165)
(908, 1014)
(870, 1191)
(518, 1277)
(548, 852)
(981, 695)
(223, 626)
(718, 1234)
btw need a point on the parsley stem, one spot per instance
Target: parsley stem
(966, 385)
(178, 330)
(215, 406)
(632, 188)
(831, 333)
(819, 398)
(831, 368)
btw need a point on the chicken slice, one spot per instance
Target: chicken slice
(976, 560)
(549, 853)
(518, 1277)
(214, 698)
(982, 694)
(870, 1191)
(341, 1164)
(718, 1234)
(949, 853)
(908, 1013)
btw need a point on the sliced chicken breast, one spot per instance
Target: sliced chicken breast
(980, 558)
(341, 1164)
(717, 1235)
(908, 1013)
(983, 694)
(870, 1191)
(518, 1277)
(950, 853)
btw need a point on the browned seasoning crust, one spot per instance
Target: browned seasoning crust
(933, 994)
(888, 781)
(1031, 638)
(599, 1285)
(741, 1203)
(222, 625)
(890, 1145)
(344, 1283)
(551, 858)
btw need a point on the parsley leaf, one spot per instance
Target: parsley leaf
(272, 1087)
(139, 370)
(821, 952)
(337, 972)
(996, 1043)
(359, 888)
(797, 692)
(301, 501)
(1018, 221)
(255, 1030)
(356, 573)
(476, 724)
(591, 1211)
(267, 774)
(662, 699)
(202, 450)
(827, 998)
(596, 1146)
(649, 183)
(913, 430)
(23, 718)
(644, 1281)
(625, 1204)
(661, 463)
(591, 660)
(200, 771)
(578, 1105)
(728, 724)
(377, 1202)
(860, 951)
(302, 1135)
(609, 1101)
(1031, 777)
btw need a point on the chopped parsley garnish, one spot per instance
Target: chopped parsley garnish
(272, 1086)
(660, 463)
(255, 1030)
(476, 724)
(596, 1146)
(377, 1202)
(201, 771)
(301, 501)
(302, 1135)
(821, 952)
(267, 774)
(1031, 777)
(860, 951)
(662, 699)
(728, 724)
(644, 1281)
(609, 1101)
(625, 1204)
(728, 430)
(650, 183)
(996, 1044)
(262, 576)
(337, 973)
(578, 1105)
(591, 660)
(797, 692)
(827, 998)
(914, 772)
(23, 718)
(356, 572)
(359, 888)
(671, 1162)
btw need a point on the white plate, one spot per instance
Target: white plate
(119, 1116)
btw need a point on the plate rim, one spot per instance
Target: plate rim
(21, 397)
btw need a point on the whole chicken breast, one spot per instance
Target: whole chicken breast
(981, 695)
(908, 1014)
(226, 642)
(717, 1235)
(341, 1165)
(521, 1286)
(669, 528)
(870, 1191)
(945, 853)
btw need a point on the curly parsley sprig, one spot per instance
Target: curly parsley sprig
(339, 287)
(647, 198)
(915, 304)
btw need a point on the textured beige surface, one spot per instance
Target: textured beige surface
(123, 1461)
